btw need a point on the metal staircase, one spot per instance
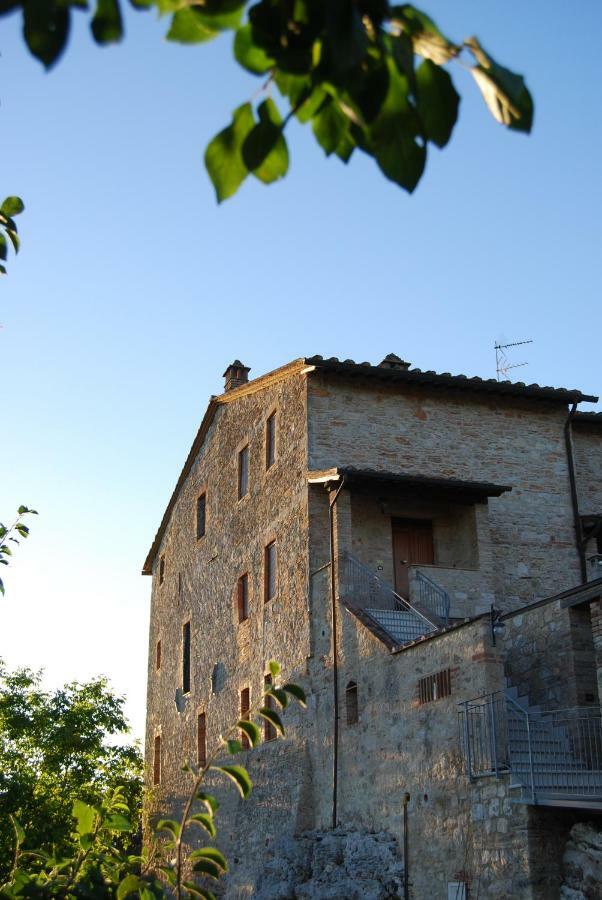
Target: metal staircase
(554, 757)
(362, 590)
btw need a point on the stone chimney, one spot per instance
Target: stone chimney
(393, 362)
(235, 375)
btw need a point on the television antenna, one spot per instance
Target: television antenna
(502, 363)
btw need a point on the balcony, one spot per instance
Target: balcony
(470, 591)
(554, 758)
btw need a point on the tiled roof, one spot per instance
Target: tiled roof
(447, 380)
(588, 418)
(426, 483)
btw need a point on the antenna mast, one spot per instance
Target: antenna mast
(502, 363)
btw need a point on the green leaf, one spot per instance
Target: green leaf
(189, 27)
(223, 156)
(438, 102)
(251, 730)
(206, 867)
(18, 829)
(12, 206)
(211, 853)
(264, 150)
(197, 891)
(330, 125)
(279, 695)
(205, 821)
(85, 816)
(234, 746)
(1, 582)
(275, 668)
(24, 510)
(129, 885)
(504, 92)
(117, 822)
(251, 57)
(429, 42)
(106, 25)
(169, 825)
(3, 247)
(14, 239)
(297, 692)
(46, 29)
(272, 716)
(209, 802)
(239, 776)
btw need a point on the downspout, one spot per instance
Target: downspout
(335, 655)
(568, 438)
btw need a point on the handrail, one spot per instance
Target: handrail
(433, 596)
(400, 602)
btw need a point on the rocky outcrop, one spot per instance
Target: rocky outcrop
(582, 863)
(333, 865)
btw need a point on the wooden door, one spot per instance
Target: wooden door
(412, 545)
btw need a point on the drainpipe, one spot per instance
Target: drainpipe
(568, 439)
(406, 843)
(335, 655)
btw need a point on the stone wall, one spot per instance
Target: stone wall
(456, 435)
(587, 448)
(200, 586)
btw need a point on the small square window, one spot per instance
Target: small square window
(242, 597)
(201, 516)
(434, 687)
(270, 441)
(270, 572)
(243, 472)
(162, 570)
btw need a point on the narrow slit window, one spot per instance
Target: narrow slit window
(162, 570)
(201, 740)
(434, 687)
(270, 441)
(201, 516)
(270, 572)
(245, 706)
(269, 730)
(242, 597)
(158, 656)
(157, 760)
(351, 703)
(243, 472)
(186, 658)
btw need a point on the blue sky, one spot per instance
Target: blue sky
(134, 290)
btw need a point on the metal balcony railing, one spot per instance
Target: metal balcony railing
(552, 756)
(363, 589)
(432, 596)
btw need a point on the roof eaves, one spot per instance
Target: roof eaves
(447, 380)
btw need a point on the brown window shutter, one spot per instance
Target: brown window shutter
(201, 740)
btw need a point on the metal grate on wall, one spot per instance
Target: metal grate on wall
(434, 687)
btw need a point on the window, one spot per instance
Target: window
(158, 655)
(270, 441)
(269, 730)
(179, 584)
(245, 706)
(186, 658)
(434, 687)
(201, 516)
(270, 579)
(242, 597)
(243, 472)
(157, 760)
(201, 740)
(162, 570)
(351, 705)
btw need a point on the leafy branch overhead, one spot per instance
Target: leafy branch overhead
(365, 74)
(8, 534)
(10, 208)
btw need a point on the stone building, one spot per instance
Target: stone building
(422, 553)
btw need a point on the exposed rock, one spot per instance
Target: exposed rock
(333, 865)
(582, 863)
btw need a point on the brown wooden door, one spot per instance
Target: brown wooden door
(412, 545)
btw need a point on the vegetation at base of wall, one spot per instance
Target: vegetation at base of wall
(367, 76)
(95, 856)
(56, 748)
(8, 533)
